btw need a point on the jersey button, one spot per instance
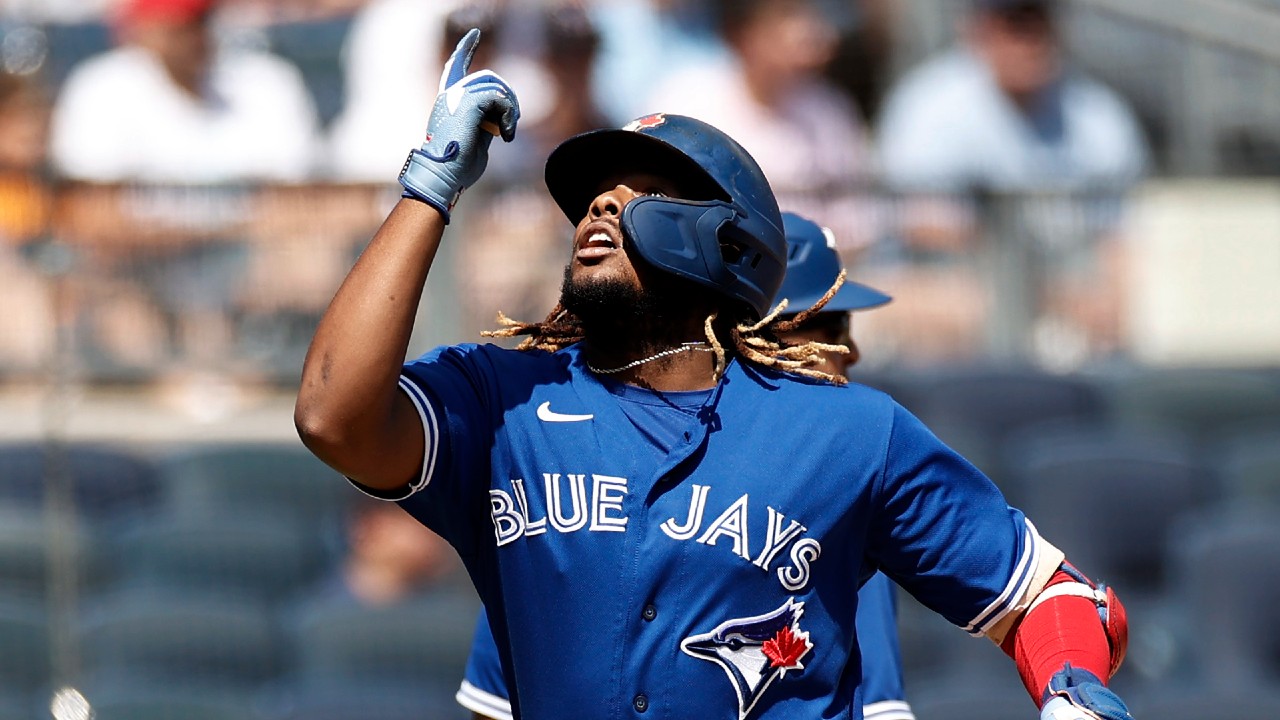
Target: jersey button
(640, 703)
(649, 613)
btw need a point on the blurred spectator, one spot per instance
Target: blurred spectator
(642, 42)
(1002, 148)
(772, 97)
(167, 106)
(389, 558)
(864, 56)
(391, 62)
(566, 51)
(1005, 112)
(25, 199)
(24, 135)
(162, 137)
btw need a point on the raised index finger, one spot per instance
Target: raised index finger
(456, 67)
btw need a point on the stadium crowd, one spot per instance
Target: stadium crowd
(194, 174)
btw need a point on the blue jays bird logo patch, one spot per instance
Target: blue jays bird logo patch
(755, 651)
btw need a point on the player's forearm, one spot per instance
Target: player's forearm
(350, 411)
(1069, 644)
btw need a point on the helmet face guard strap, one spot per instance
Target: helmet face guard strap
(688, 238)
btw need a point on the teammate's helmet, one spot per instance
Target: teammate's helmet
(727, 235)
(812, 266)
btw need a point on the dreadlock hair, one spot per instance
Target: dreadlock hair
(559, 330)
(758, 342)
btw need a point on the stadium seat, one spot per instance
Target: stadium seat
(24, 560)
(257, 556)
(1180, 704)
(971, 698)
(24, 646)
(126, 698)
(106, 483)
(341, 698)
(280, 480)
(20, 704)
(1109, 498)
(179, 640)
(424, 639)
(1206, 404)
(1226, 567)
(975, 409)
(25, 557)
(1250, 464)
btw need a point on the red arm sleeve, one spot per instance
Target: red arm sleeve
(1090, 632)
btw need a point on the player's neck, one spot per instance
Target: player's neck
(660, 358)
(683, 366)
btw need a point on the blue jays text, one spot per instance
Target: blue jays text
(514, 518)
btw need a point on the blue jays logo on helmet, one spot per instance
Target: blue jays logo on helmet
(647, 122)
(726, 234)
(812, 266)
(755, 651)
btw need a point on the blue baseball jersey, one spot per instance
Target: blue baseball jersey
(696, 555)
(484, 690)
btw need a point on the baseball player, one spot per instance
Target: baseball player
(813, 265)
(641, 494)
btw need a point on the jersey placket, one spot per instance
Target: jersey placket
(652, 656)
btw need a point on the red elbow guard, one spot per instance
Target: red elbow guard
(1071, 621)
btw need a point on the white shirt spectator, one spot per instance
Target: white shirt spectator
(642, 42)
(391, 62)
(121, 118)
(947, 127)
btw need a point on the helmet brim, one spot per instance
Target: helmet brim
(851, 296)
(578, 168)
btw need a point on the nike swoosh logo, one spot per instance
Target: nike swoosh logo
(546, 414)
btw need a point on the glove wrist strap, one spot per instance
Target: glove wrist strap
(420, 181)
(1083, 690)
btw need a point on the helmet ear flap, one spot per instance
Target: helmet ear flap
(699, 241)
(679, 236)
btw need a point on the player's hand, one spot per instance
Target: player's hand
(469, 110)
(1079, 695)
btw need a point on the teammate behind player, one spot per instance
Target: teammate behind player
(642, 495)
(813, 265)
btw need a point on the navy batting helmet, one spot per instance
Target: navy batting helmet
(812, 266)
(727, 235)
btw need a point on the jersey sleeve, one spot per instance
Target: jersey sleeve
(945, 533)
(452, 389)
(484, 688)
(883, 696)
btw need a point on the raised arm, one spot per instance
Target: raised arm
(350, 411)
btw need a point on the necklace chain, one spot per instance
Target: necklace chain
(683, 347)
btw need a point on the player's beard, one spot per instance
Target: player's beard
(622, 316)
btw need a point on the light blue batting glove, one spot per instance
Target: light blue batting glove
(469, 110)
(1075, 694)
